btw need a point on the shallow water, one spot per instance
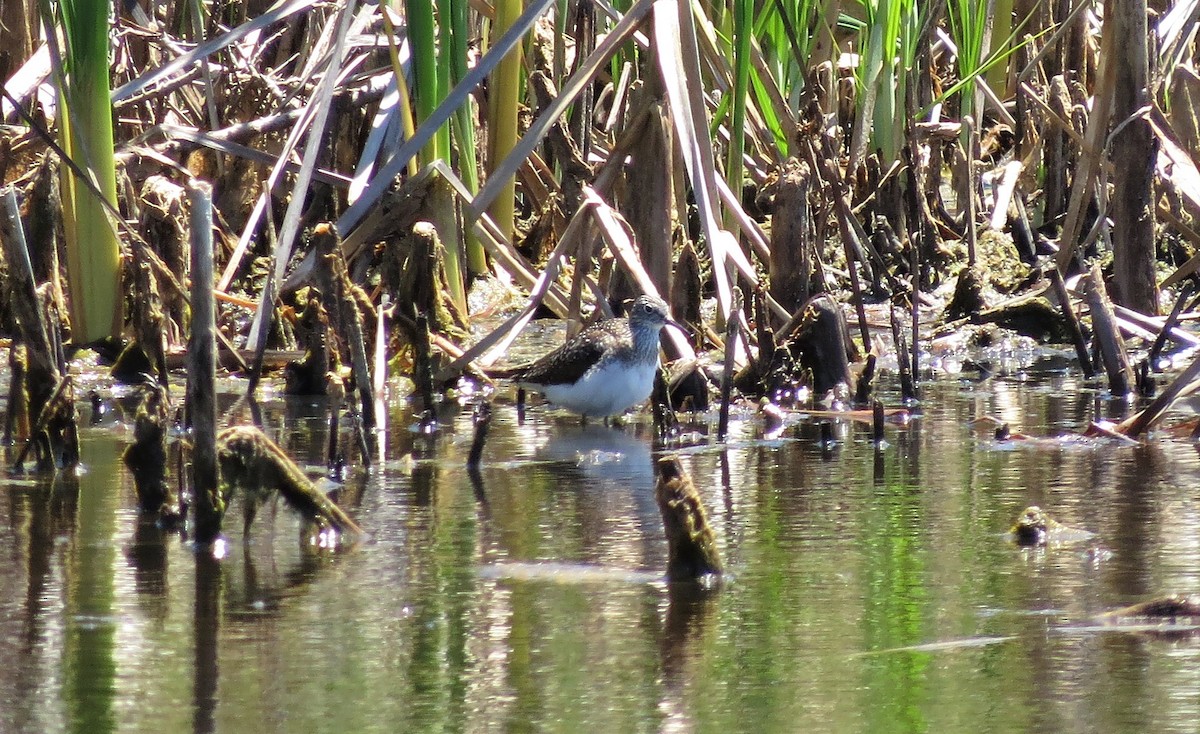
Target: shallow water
(869, 591)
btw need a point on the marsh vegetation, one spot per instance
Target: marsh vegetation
(347, 219)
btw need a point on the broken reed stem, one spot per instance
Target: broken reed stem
(731, 337)
(828, 440)
(665, 419)
(919, 231)
(971, 154)
(42, 374)
(1081, 349)
(1185, 292)
(877, 421)
(483, 421)
(850, 240)
(43, 420)
(908, 390)
(1135, 425)
(423, 362)
(331, 446)
(915, 350)
(862, 390)
(335, 391)
(1022, 231)
(766, 337)
(364, 443)
(16, 417)
(340, 304)
(202, 368)
(915, 262)
(380, 373)
(1108, 338)
(267, 302)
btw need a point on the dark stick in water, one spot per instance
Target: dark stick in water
(731, 337)
(1064, 299)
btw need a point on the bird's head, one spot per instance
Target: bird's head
(651, 312)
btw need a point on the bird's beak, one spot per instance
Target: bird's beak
(676, 324)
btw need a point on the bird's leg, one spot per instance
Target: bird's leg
(249, 511)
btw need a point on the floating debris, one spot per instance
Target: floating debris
(1035, 527)
(1184, 609)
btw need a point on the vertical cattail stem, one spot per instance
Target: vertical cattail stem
(202, 368)
(731, 339)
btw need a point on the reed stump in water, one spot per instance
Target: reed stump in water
(816, 350)
(691, 542)
(250, 460)
(146, 457)
(307, 376)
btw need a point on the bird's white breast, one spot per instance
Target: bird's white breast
(606, 389)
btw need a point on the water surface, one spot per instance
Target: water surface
(871, 591)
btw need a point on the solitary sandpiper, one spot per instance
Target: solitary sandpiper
(608, 367)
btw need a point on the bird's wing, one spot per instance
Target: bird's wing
(567, 364)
